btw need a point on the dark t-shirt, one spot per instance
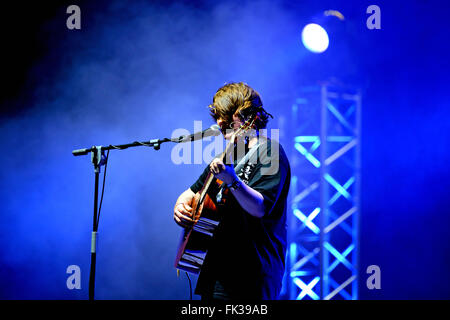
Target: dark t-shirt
(247, 254)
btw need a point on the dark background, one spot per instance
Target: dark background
(137, 71)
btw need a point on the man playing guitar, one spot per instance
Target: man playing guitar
(246, 256)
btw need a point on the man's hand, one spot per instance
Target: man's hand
(182, 214)
(250, 200)
(222, 172)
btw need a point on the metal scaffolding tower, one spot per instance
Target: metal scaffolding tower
(323, 234)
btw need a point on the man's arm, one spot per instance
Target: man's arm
(250, 200)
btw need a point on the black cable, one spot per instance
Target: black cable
(190, 286)
(103, 188)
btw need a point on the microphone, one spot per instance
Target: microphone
(214, 130)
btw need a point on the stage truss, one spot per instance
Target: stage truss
(323, 222)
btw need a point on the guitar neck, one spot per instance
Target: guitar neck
(210, 176)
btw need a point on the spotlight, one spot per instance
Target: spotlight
(315, 38)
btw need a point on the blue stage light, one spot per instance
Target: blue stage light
(315, 38)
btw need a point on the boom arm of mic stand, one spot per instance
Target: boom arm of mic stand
(155, 143)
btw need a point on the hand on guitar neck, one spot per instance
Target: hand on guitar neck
(223, 172)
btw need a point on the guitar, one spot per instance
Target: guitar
(195, 240)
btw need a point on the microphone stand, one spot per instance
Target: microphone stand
(98, 159)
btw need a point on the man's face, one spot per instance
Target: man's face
(228, 129)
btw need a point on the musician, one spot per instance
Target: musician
(246, 258)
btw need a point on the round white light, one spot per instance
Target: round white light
(315, 38)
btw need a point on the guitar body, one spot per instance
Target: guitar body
(195, 241)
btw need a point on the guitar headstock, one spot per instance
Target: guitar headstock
(248, 124)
